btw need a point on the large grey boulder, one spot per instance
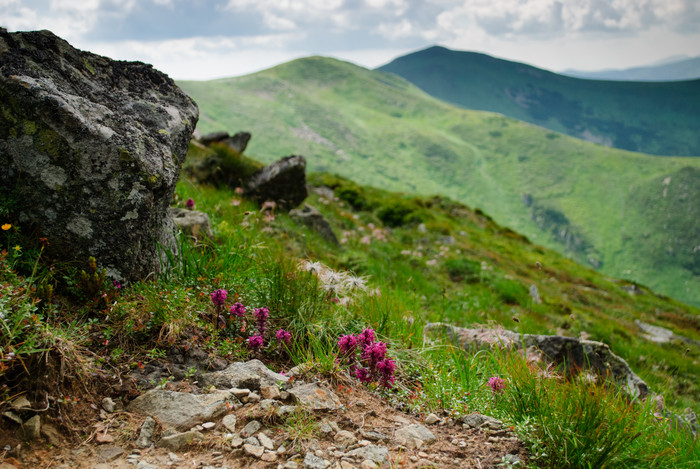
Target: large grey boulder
(91, 150)
(573, 354)
(283, 182)
(243, 375)
(180, 410)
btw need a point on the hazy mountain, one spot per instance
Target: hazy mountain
(654, 118)
(673, 70)
(631, 215)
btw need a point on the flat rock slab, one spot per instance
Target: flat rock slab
(245, 375)
(179, 410)
(179, 440)
(378, 454)
(573, 355)
(414, 432)
(314, 397)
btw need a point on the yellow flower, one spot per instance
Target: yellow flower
(18, 247)
(6, 227)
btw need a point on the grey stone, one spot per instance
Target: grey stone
(256, 451)
(314, 397)
(13, 416)
(181, 410)
(31, 429)
(283, 182)
(655, 333)
(374, 436)
(345, 438)
(109, 405)
(268, 405)
(145, 465)
(265, 441)
(251, 440)
(248, 375)
(475, 420)
(573, 354)
(378, 454)
(108, 453)
(286, 410)
(179, 440)
(192, 222)
(208, 425)
(291, 465)
(432, 419)
(52, 434)
(100, 144)
(251, 428)
(229, 421)
(368, 464)
(145, 438)
(270, 392)
(238, 142)
(239, 393)
(311, 217)
(311, 461)
(20, 403)
(213, 137)
(414, 431)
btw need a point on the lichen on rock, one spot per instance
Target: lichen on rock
(92, 149)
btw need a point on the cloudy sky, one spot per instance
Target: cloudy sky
(201, 39)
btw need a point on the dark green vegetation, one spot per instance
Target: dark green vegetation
(601, 206)
(654, 118)
(402, 261)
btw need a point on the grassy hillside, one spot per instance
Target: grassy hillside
(373, 127)
(653, 118)
(73, 337)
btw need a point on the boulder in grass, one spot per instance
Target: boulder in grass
(192, 222)
(283, 182)
(572, 354)
(91, 150)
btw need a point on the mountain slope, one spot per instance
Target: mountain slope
(684, 69)
(377, 129)
(654, 118)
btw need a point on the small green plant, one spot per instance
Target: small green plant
(92, 282)
(301, 426)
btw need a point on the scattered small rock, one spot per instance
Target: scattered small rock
(145, 438)
(431, 419)
(256, 451)
(179, 440)
(251, 428)
(229, 421)
(315, 397)
(311, 461)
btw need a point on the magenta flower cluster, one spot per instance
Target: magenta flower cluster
(373, 364)
(238, 310)
(261, 316)
(218, 297)
(256, 342)
(189, 204)
(284, 336)
(497, 384)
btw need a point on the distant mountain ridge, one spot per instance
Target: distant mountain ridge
(630, 215)
(675, 70)
(653, 118)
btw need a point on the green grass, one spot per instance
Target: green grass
(421, 268)
(654, 118)
(596, 204)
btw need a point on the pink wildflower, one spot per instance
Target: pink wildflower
(261, 315)
(363, 375)
(386, 369)
(238, 309)
(366, 337)
(218, 297)
(347, 344)
(497, 384)
(255, 343)
(284, 336)
(189, 204)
